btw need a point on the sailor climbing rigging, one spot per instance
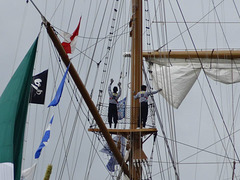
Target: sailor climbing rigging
(112, 108)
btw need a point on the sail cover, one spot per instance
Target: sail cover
(13, 110)
(177, 76)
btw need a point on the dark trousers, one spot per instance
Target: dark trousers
(112, 113)
(143, 114)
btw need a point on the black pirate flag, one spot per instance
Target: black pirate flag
(38, 88)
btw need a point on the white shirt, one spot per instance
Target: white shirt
(113, 97)
(143, 95)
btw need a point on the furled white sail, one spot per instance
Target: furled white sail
(177, 76)
(176, 81)
(226, 76)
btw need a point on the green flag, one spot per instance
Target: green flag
(13, 111)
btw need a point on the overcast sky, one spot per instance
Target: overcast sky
(21, 23)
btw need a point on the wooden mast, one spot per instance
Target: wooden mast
(86, 97)
(136, 59)
(136, 82)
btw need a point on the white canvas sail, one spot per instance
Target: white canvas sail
(226, 76)
(177, 76)
(176, 81)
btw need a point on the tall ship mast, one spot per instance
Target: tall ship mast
(134, 135)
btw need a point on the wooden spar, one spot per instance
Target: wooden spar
(87, 98)
(48, 172)
(214, 54)
(127, 132)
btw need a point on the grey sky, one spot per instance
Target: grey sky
(20, 24)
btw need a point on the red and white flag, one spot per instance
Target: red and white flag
(70, 40)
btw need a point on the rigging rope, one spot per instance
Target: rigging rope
(181, 33)
(70, 139)
(190, 26)
(220, 113)
(67, 147)
(162, 129)
(169, 108)
(197, 148)
(108, 57)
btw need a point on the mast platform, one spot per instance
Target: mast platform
(127, 132)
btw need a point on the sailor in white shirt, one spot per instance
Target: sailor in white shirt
(143, 100)
(112, 108)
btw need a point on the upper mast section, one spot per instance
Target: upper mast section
(136, 58)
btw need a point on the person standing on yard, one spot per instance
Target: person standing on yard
(112, 108)
(143, 100)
